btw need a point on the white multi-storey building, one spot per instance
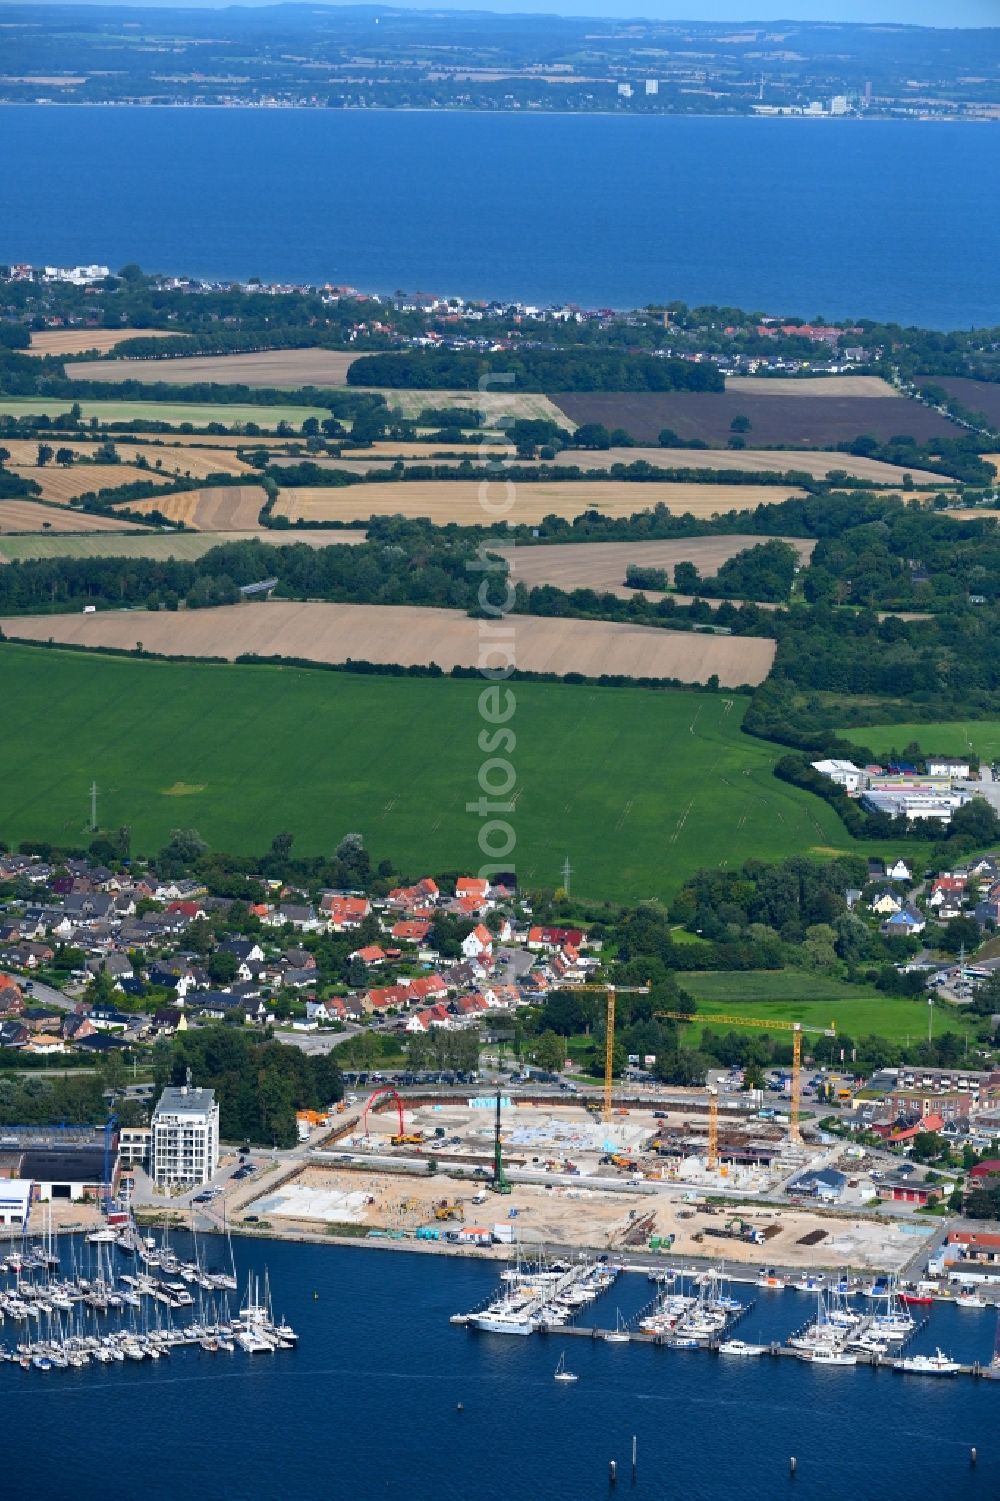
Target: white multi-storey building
(184, 1145)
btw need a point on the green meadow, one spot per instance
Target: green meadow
(951, 737)
(635, 788)
(819, 1001)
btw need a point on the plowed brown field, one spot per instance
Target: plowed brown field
(219, 508)
(29, 516)
(411, 636)
(459, 500)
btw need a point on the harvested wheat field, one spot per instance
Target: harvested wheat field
(411, 636)
(189, 463)
(971, 513)
(602, 565)
(459, 500)
(30, 516)
(64, 485)
(217, 508)
(85, 340)
(279, 368)
(753, 460)
(184, 546)
(810, 385)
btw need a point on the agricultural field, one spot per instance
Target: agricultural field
(753, 460)
(413, 636)
(939, 738)
(184, 546)
(602, 565)
(459, 500)
(62, 486)
(978, 395)
(31, 516)
(200, 414)
(90, 340)
(290, 368)
(784, 421)
(217, 508)
(489, 405)
(809, 385)
(818, 1001)
(662, 783)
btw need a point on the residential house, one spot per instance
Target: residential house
(432, 1016)
(371, 956)
(344, 912)
(424, 895)
(14, 1034)
(410, 931)
(473, 886)
(899, 871)
(11, 999)
(478, 943)
(167, 1020)
(245, 951)
(303, 919)
(549, 939)
(906, 923)
(76, 1026)
(116, 966)
(42, 1019)
(332, 1009)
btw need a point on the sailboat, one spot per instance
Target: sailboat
(619, 1335)
(561, 1372)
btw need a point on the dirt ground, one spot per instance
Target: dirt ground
(599, 1219)
(461, 501)
(410, 635)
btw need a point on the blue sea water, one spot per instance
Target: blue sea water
(882, 219)
(368, 1406)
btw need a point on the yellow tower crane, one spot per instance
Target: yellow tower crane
(609, 1035)
(796, 1029)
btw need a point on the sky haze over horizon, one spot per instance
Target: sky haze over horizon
(874, 12)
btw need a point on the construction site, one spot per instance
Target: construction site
(691, 1178)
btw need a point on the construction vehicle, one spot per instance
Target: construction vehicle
(796, 1029)
(449, 1211)
(407, 1138)
(609, 1032)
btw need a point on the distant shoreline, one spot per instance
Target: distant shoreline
(507, 114)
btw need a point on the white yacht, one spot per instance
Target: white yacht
(937, 1364)
(561, 1372)
(740, 1347)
